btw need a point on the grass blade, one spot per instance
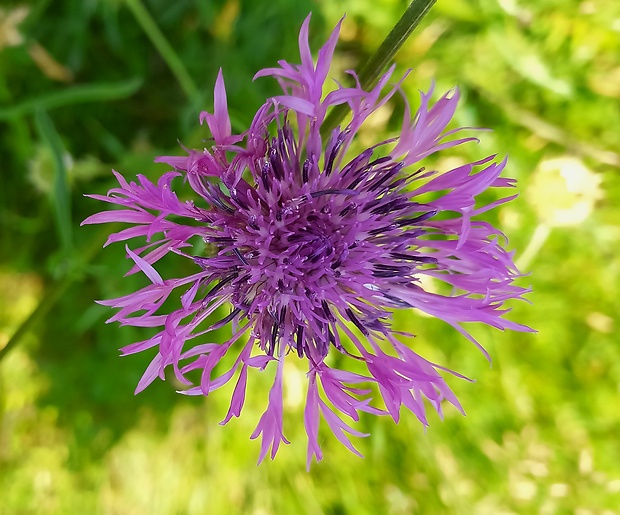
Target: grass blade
(61, 199)
(99, 92)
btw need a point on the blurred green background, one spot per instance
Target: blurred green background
(91, 85)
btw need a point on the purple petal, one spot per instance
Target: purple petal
(148, 270)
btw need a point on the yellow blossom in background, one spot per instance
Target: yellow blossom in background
(563, 191)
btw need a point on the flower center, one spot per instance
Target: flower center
(285, 245)
(293, 252)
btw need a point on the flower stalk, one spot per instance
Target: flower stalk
(378, 62)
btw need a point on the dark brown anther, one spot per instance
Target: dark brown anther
(356, 321)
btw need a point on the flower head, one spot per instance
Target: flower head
(313, 249)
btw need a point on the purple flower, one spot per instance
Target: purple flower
(311, 247)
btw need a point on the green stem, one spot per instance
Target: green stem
(50, 298)
(160, 42)
(372, 70)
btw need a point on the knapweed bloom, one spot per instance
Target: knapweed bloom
(310, 247)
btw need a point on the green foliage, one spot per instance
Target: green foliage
(90, 86)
